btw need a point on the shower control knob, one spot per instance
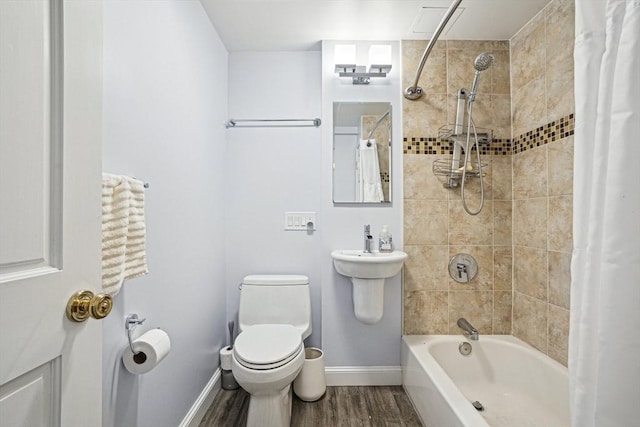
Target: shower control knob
(463, 268)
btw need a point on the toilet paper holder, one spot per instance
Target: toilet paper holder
(130, 323)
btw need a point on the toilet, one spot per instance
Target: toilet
(274, 318)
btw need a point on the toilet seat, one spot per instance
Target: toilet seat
(264, 347)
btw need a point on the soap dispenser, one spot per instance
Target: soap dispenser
(385, 242)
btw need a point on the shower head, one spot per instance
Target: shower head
(483, 61)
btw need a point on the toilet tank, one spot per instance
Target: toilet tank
(276, 299)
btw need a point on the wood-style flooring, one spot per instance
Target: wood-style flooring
(387, 406)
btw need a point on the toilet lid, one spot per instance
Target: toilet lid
(267, 346)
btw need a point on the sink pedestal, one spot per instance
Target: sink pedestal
(367, 271)
(368, 299)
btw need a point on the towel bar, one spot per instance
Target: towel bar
(232, 123)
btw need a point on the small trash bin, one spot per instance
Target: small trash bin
(310, 384)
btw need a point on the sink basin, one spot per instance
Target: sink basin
(374, 265)
(368, 272)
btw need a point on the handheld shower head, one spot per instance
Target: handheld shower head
(481, 63)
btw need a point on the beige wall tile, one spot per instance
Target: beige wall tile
(500, 72)
(475, 306)
(501, 174)
(502, 223)
(502, 312)
(425, 222)
(502, 268)
(482, 110)
(426, 268)
(530, 222)
(424, 116)
(561, 223)
(530, 173)
(500, 116)
(530, 320)
(467, 229)
(530, 271)
(560, 167)
(484, 257)
(419, 180)
(558, 333)
(415, 312)
(434, 73)
(559, 84)
(529, 106)
(528, 53)
(426, 313)
(560, 28)
(559, 278)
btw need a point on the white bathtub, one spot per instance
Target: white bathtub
(516, 384)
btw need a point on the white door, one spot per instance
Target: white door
(50, 163)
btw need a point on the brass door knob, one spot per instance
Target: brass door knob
(84, 304)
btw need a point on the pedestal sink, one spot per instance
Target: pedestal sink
(368, 272)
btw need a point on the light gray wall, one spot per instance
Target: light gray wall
(270, 171)
(165, 99)
(345, 340)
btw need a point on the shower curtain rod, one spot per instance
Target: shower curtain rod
(272, 123)
(414, 91)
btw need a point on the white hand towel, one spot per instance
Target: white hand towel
(123, 231)
(369, 169)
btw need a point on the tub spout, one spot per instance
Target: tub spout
(468, 329)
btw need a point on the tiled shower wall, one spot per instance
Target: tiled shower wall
(542, 114)
(435, 224)
(522, 237)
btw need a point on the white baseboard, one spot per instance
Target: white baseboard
(335, 375)
(202, 403)
(363, 375)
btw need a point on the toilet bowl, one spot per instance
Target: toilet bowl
(268, 354)
(266, 360)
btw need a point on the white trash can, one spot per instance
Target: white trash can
(310, 384)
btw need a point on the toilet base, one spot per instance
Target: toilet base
(270, 410)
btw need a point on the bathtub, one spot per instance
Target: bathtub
(516, 384)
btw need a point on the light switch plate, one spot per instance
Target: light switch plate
(300, 221)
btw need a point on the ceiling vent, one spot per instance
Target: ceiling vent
(429, 18)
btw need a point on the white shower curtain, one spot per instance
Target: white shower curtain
(604, 344)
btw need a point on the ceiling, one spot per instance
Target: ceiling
(293, 25)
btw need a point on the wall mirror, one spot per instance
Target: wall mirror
(361, 152)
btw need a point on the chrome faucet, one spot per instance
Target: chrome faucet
(468, 329)
(368, 238)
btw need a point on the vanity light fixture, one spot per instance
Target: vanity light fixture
(379, 63)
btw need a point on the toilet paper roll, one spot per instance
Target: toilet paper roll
(151, 348)
(226, 354)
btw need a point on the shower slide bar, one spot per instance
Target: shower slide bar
(272, 123)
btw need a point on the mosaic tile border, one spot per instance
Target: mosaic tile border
(497, 147)
(550, 132)
(554, 131)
